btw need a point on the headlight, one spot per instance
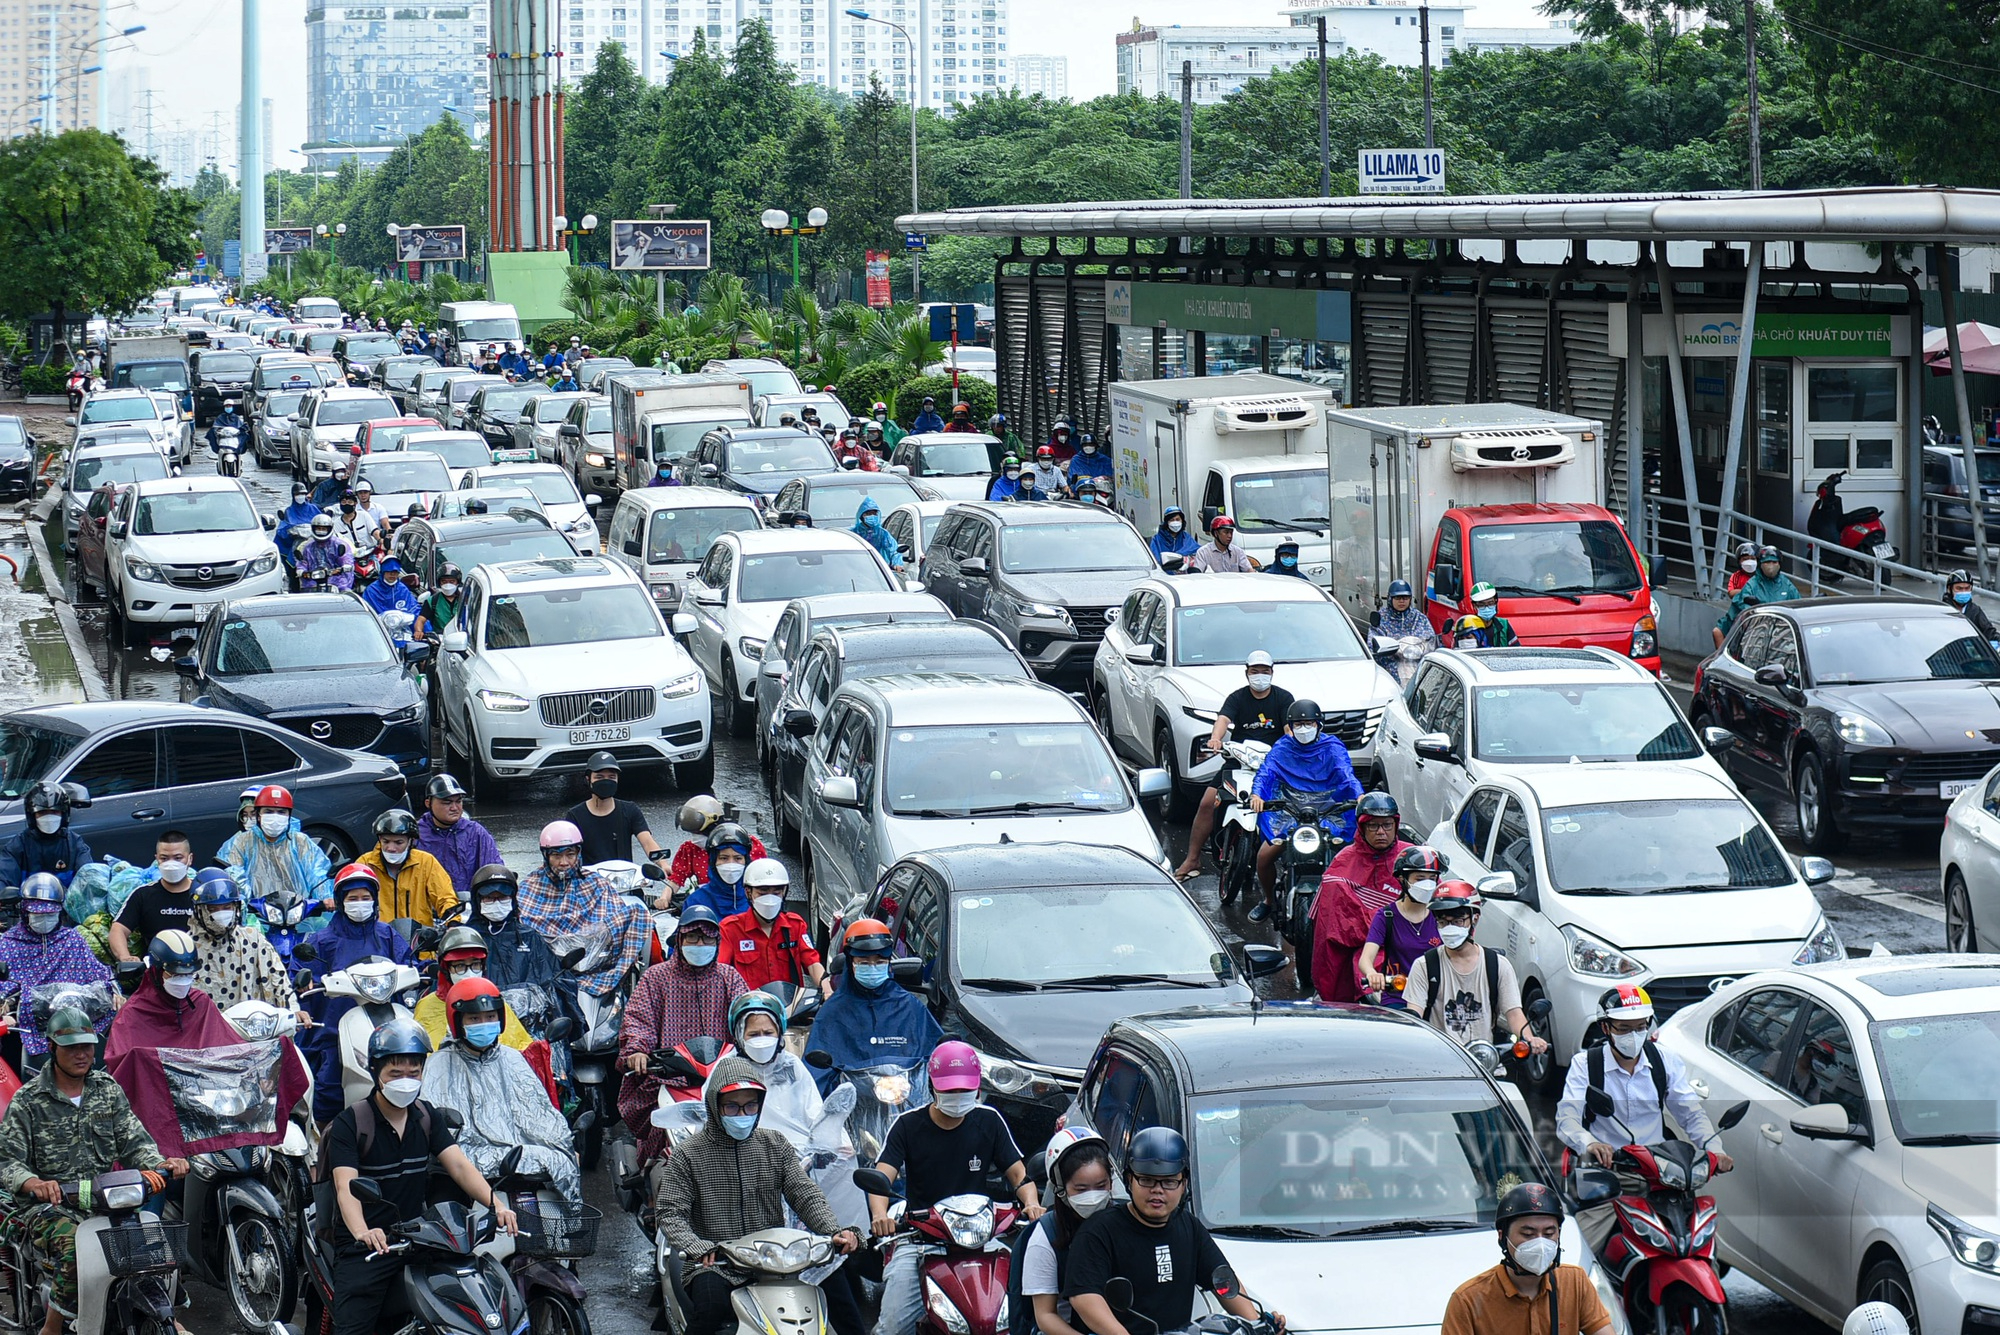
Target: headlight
(1645, 640)
(143, 570)
(1822, 943)
(1597, 959)
(1860, 730)
(264, 565)
(969, 1228)
(1971, 1246)
(778, 1258)
(682, 687)
(1011, 1077)
(594, 460)
(503, 702)
(584, 525)
(944, 1309)
(1305, 840)
(127, 1197)
(407, 714)
(376, 987)
(750, 647)
(1650, 1232)
(1025, 608)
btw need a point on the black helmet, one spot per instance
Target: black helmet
(1302, 711)
(603, 760)
(728, 834)
(396, 822)
(1377, 806)
(1526, 1199)
(400, 1037)
(1957, 577)
(492, 875)
(442, 786)
(450, 571)
(1157, 1151)
(48, 796)
(1420, 858)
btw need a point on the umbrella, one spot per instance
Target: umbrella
(1978, 347)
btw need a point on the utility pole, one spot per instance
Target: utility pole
(1187, 129)
(1756, 124)
(152, 146)
(1326, 161)
(1424, 35)
(250, 151)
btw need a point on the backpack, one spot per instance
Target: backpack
(1020, 1310)
(326, 1207)
(1434, 975)
(1654, 1062)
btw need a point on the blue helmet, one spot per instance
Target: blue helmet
(1400, 588)
(697, 915)
(42, 888)
(173, 951)
(1157, 1151)
(400, 1037)
(214, 887)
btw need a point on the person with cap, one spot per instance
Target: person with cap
(927, 418)
(1482, 627)
(68, 1122)
(1173, 539)
(1307, 759)
(961, 419)
(295, 524)
(871, 1019)
(731, 1178)
(1078, 1162)
(868, 527)
(575, 353)
(947, 1148)
(395, 1139)
(1029, 488)
(1160, 1248)
(460, 844)
(698, 815)
(1402, 930)
(356, 932)
(414, 884)
(1644, 1082)
(1253, 712)
(685, 996)
(365, 508)
(42, 948)
(767, 944)
(45, 842)
(1461, 988)
(516, 954)
(892, 434)
(609, 823)
(1958, 597)
(387, 592)
(1746, 566)
(729, 856)
(1507, 1299)
(1286, 560)
(1089, 463)
(274, 853)
(1060, 443)
(1006, 484)
(1220, 554)
(562, 897)
(1769, 585)
(326, 559)
(439, 608)
(237, 963)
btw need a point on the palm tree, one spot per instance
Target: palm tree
(585, 289)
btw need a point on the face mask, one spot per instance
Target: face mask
(1962, 598)
(957, 1102)
(1088, 1203)
(1747, 566)
(1090, 449)
(665, 470)
(740, 1126)
(1013, 473)
(1289, 562)
(603, 787)
(395, 859)
(1629, 1045)
(767, 906)
(1421, 891)
(871, 517)
(698, 956)
(1485, 611)
(173, 873)
(43, 923)
(358, 910)
(402, 1093)
(729, 873)
(483, 1034)
(177, 985)
(224, 919)
(761, 1050)
(1453, 937)
(1536, 1255)
(448, 590)
(1305, 736)
(274, 824)
(1175, 526)
(496, 910)
(49, 822)
(1260, 681)
(871, 976)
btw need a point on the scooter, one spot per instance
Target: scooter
(228, 451)
(1310, 825)
(1236, 834)
(1847, 530)
(964, 1257)
(630, 879)
(291, 1167)
(777, 1297)
(593, 1054)
(1398, 655)
(282, 912)
(382, 991)
(542, 1257)
(127, 1279)
(1118, 1297)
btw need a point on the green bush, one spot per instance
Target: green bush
(44, 380)
(642, 351)
(559, 333)
(867, 384)
(909, 400)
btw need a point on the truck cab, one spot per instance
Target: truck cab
(1273, 498)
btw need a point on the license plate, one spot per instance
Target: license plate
(201, 610)
(1950, 790)
(592, 736)
(1886, 552)
(513, 456)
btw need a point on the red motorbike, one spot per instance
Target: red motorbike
(1849, 530)
(965, 1262)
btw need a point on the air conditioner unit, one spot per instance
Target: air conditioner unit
(1511, 447)
(1272, 414)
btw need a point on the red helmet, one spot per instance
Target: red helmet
(1045, 452)
(354, 874)
(1456, 896)
(271, 795)
(868, 936)
(1420, 858)
(472, 994)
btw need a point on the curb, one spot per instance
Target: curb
(95, 688)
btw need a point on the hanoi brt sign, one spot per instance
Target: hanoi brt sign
(1271, 312)
(1401, 171)
(1782, 335)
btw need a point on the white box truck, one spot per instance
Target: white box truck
(1249, 446)
(657, 416)
(476, 327)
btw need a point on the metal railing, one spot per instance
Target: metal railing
(1944, 534)
(1815, 566)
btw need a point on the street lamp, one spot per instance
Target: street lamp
(777, 222)
(584, 228)
(339, 230)
(916, 263)
(80, 46)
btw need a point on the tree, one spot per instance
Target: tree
(603, 120)
(873, 181)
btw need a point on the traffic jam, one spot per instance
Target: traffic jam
(574, 845)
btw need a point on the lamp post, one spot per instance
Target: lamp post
(339, 230)
(570, 234)
(76, 78)
(777, 222)
(916, 261)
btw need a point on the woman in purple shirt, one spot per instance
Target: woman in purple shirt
(1403, 931)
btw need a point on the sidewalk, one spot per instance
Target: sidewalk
(38, 630)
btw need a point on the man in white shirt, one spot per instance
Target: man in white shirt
(1644, 1082)
(1220, 553)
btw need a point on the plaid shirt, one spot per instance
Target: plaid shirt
(589, 906)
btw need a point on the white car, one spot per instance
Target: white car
(973, 363)
(911, 524)
(402, 478)
(135, 408)
(427, 397)
(462, 451)
(111, 455)
(663, 533)
(740, 590)
(770, 407)
(1969, 867)
(540, 419)
(1469, 715)
(448, 408)
(575, 515)
(1655, 874)
(1174, 651)
(1864, 1170)
(327, 423)
(177, 546)
(561, 658)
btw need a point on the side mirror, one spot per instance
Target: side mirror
(631, 546)
(187, 668)
(1773, 674)
(1499, 885)
(1717, 739)
(908, 971)
(302, 980)
(1436, 746)
(425, 940)
(419, 652)
(305, 950)
(820, 1060)
(774, 670)
(708, 598)
(1117, 1293)
(364, 1189)
(560, 1028)
(79, 796)
(588, 1117)
(456, 642)
(1598, 1103)
(973, 567)
(1154, 782)
(1829, 1121)
(651, 871)
(120, 529)
(800, 723)
(1261, 961)
(270, 523)
(871, 1180)
(1816, 871)
(592, 501)
(840, 790)
(70, 420)
(1733, 1116)
(1144, 655)
(568, 429)
(1539, 1010)
(683, 624)
(1444, 578)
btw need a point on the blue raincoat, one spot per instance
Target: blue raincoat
(341, 943)
(875, 535)
(385, 596)
(724, 898)
(861, 1027)
(1181, 544)
(295, 517)
(1322, 767)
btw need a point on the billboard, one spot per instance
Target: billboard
(1401, 171)
(287, 240)
(651, 246)
(878, 277)
(425, 244)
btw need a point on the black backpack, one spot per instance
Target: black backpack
(326, 1206)
(1654, 1062)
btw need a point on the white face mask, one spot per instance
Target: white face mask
(1537, 1255)
(1421, 891)
(49, 822)
(403, 1092)
(1260, 681)
(496, 910)
(43, 923)
(1088, 1203)
(358, 910)
(1173, 526)
(767, 906)
(395, 859)
(173, 873)
(957, 1102)
(1629, 1045)
(448, 590)
(178, 985)
(1305, 736)
(1453, 937)
(274, 824)
(470, 971)
(224, 919)
(762, 1049)
(729, 873)
(1747, 567)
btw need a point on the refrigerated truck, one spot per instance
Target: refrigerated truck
(655, 415)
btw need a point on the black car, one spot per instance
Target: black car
(1030, 950)
(756, 461)
(150, 766)
(17, 459)
(1864, 711)
(471, 540)
(360, 351)
(1944, 476)
(394, 375)
(834, 499)
(221, 375)
(841, 653)
(494, 409)
(320, 664)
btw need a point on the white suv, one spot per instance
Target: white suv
(551, 661)
(327, 424)
(177, 546)
(139, 409)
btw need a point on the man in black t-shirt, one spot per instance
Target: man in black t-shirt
(393, 1138)
(1254, 712)
(157, 905)
(609, 825)
(1155, 1245)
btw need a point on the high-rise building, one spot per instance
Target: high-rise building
(1393, 29)
(45, 45)
(1223, 59)
(1047, 75)
(269, 105)
(379, 73)
(125, 102)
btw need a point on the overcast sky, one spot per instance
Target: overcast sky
(190, 48)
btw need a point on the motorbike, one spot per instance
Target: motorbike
(291, 1166)
(228, 451)
(1846, 530)
(964, 1257)
(1310, 826)
(777, 1297)
(127, 1261)
(542, 1259)
(1398, 655)
(630, 880)
(382, 990)
(1118, 1296)
(593, 1053)
(1236, 834)
(881, 1095)
(282, 911)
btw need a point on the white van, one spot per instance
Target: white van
(664, 532)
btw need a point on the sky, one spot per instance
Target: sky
(190, 48)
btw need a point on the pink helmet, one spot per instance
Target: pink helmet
(560, 834)
(954, 1065)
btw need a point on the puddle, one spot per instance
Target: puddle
(35, 663)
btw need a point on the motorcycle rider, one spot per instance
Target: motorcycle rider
(998, 427)
(501, 1098)
(698, 816)
(46, 842)
(461, 955)
(1220, 553)
(1307, 759)
(295, 525)
(1253, 712)
(728, 857)
(927, 418)
(1287, 561)
(1079, 1167)
(1645, 1082)
(327, 493)
(766, 944)
(353, 527)
(274, 853)
(516, 954)
(733, 1177)
(686, 996)
(460, 844)
(387, 593)
(961, 418)
(561, 897)
(1162, 1250)
(609, 823)
(1958, 596)
(237, 963)
(1404, 929)
(1061, 445)
(1768, 585)
(1402, 618)
(1359, 883)
(868, 528)
(1461, 988)
(1087, 464)
(946, 1148)
(159, 903)
(356, 933)
(229, 419)
(871, 1020)
(891, 432)
(40, 949)
(1500, 1301)
(1492, 630)
(68, 1122)
(1173, 537)
(393, 1137)
(1746, 566)
(849, 452)
(439, 608)
(414, 884)
(1006, 484)
(328, 552)
(792, 1103)
(1049, 477)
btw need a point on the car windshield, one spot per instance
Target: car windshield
(93, 471)
(536, 619)
(548, 488)
(686, 535)
(552, 408)
(321, 341)
(798, 455)
(300, 642)
(768, 382)
(318, 308)
(383, 346)
(1931, 646)
(390, 474)
(26, 753)
(1554, 725)
(1053, 549)
(464, 388)
(194, 512)
(1547, 560)
(674, 441)
(282, 405)
(151, 375)
(956, 458)
(498, 328)
(832, 504)
(1941, 1075)
(1323, 1160)
(133, 409)
(290, 375)
(505, 400)
(523, 542)
(225, 363)
(400, 374)
(598, 423)
(779, 577)
(1266, 501)
(1291, 632)
(1025, 768)
(353, 412)
(1059, 933)
(1663, 847)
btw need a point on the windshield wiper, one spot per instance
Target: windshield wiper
(1592, 588)
(1002, 985)
(1539, 593)
(1411, 1226)
(1021, 807)
(1266, 1231)
(933, 813)
(1955, 1138)
(1114, 979)
(1317, 523)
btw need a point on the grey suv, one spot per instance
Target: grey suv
(1044, 574)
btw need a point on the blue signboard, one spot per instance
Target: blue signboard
(232, 259)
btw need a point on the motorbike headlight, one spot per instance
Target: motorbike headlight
(1306, 840)
(682, 687)
(750, 647)
(944, 1309)
(264, 565)
(142, 570)
(1822, 943)
(969, 1228)
(1702, 1230)
(1971, 1246)
(1860, 730)
(1598, 959)
(1650, 1232)
(128, 1196)
(375, 987)
(503, 702)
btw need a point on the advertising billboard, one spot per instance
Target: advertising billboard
(652, 246)
(287, 240)
(425, 244)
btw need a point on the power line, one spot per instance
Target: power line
(1894, 56)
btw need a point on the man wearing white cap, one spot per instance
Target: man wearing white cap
(1254, 712)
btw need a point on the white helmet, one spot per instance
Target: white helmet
(1875, 1319)
(766, 874)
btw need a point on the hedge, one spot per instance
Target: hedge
(867, 384)
(44, 380)
(909, 400)
(559, 332)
